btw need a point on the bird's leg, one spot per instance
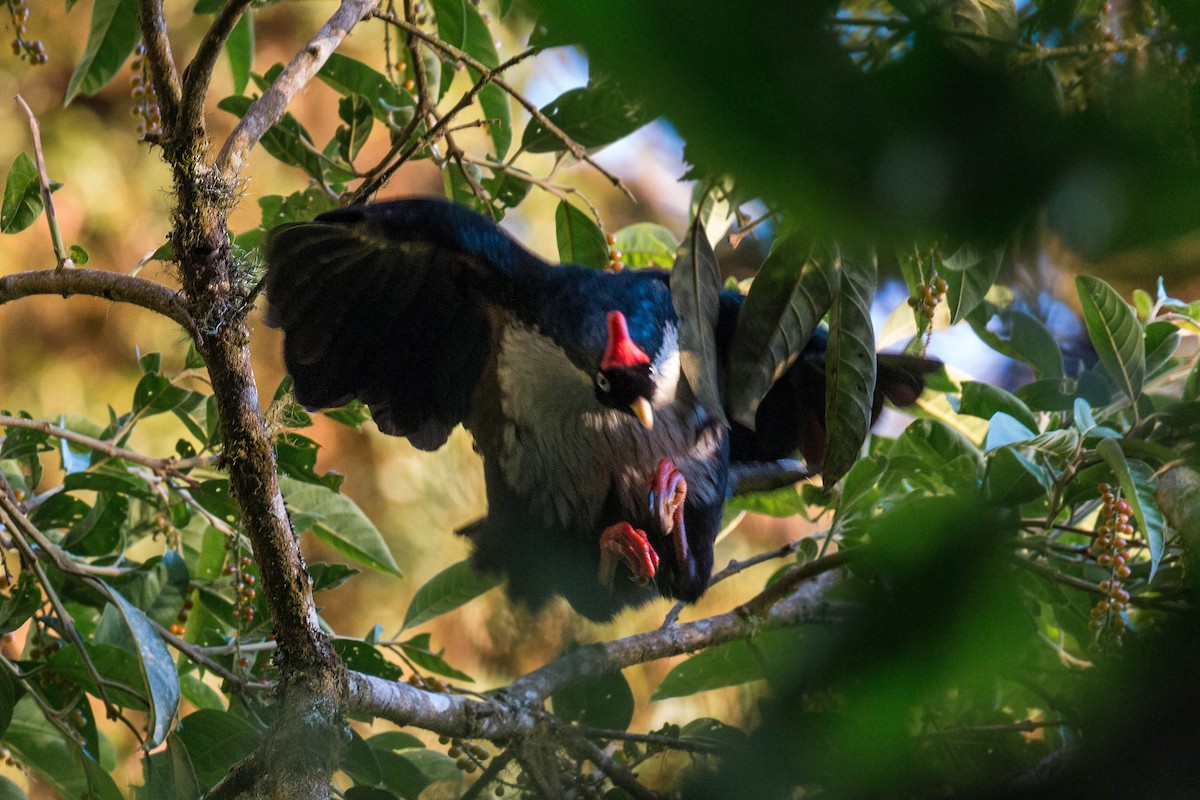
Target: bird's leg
(668, 490)
(623, 541)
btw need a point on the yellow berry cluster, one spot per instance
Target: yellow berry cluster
(614, 255)
(31, 50)
(468, 756)
(145, 101)
(929, 294)
(1110, 549)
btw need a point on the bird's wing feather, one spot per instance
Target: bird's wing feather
(388, 304)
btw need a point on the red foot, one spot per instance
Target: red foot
(668, 490)
(623, 541)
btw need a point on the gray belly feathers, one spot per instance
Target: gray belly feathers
(565, 452)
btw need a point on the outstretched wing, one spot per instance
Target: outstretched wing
(387, 303)
(791, 416)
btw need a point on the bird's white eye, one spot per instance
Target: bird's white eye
(602, 382)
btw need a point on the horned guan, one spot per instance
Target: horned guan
(605, 477)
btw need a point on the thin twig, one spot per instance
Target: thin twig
(1024, 726)
(198, 656)
(619, 774)
(97, 283)
(489, 774)
(269, 108)
(60, 249)
(492, 76)
(160, 466)
(198, 74)
(657, 739)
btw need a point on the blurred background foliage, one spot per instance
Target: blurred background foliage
(1063, 131)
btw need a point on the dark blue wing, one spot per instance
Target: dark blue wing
(387, 303)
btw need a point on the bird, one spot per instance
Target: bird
(605, 477)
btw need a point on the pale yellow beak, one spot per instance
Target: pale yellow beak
(642, 410)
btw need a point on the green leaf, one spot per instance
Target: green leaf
(78, 255)
(169, 773)
(983, 400)
(729, 664)
(349, 76)
(113, 35)
(240, 49)
(337, 521)
(602, 701)
(580, 240)
(21, 603)
(157, 667)
(1137, 485)
(286, 140)
(789, 296)
(782, 502)
(10, 791)
(296, 207)
(593, 116)
(446, 591)
(1115, 333)
(355, 111)
(646, 244)
(420, 652)
(215, 741)
(1162, 340)
(849, 367)
(1019, 336)
(329, 576)
(155, 394)
(65, 769)
(22, 195)
(460, 24)
(8, 702)
(696, 296)
(1178, 495)
(969, 275)
(1011, 479)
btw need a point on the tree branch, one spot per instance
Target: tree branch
(514, 712)
(97, 283)
(269, 108)
(163, 72)
(764, 476)
(198, 74)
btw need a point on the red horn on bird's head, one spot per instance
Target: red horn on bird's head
(621, 351)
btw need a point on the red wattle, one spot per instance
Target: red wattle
(621, 351)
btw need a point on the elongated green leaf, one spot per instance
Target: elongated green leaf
(1115, 333)
(729, 664)
(645, 244)
(446, 591)
(349, 76)
(459, 23)
(696, 296)
(169, 773)
(22, 195)
(580, 240)
(603, 701)
(789, 296)
(240, 49)
(1137, 485)
(215, 741)
(849, 367)
(1162, 340)
(66, 770)
(338, 522)
(355, 111)
(158, 670)
(113, 35)
(1020, 336)
(593, 115)
(1012, 479)
(420, 652)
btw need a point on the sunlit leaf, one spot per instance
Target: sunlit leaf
(1115, 333)
(340, 523)
(592, 116)
(446, 591)
(646, 244)
(112, 36)
(22, 195)
(580, 240)
(1018, 335)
